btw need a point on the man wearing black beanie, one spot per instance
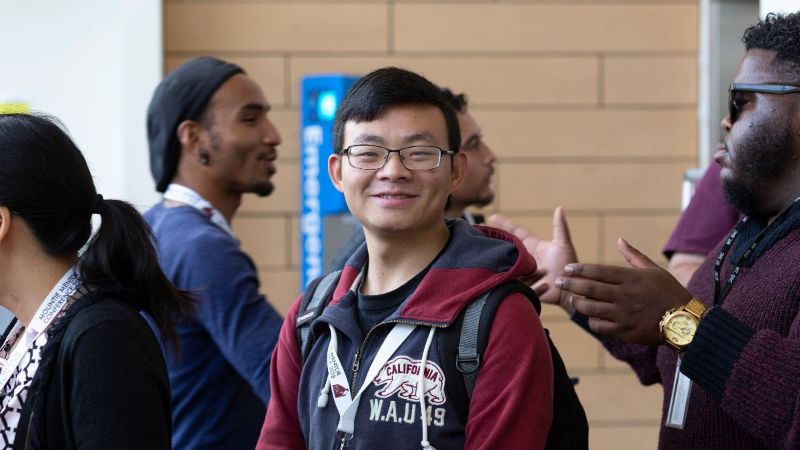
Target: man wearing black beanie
(210, 142)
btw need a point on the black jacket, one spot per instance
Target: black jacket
(101, 384)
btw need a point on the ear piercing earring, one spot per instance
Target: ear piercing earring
(204, 157)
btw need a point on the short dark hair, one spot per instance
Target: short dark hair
(457, 101)
(381, 89)
(44, 180)
(779, 33)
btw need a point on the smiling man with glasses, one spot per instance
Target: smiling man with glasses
(374, 374)
(476, 189)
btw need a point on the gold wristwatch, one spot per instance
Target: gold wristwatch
(679, 324)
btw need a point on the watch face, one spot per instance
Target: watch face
(680, 329)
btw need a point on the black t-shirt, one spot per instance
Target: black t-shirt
(372, 309)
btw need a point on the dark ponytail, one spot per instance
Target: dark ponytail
(121, 253)
(45, 180)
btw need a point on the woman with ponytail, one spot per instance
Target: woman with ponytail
(81, 366)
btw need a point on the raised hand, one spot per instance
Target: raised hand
(624, 303)
(551, 256)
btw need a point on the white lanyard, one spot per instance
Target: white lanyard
(183, 194)
(49, 309)
(469, 218)
(346, 404)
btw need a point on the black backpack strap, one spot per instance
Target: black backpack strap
(469, 334)
(468, 359)
(315, 299)
(468, 337)
(477, 324)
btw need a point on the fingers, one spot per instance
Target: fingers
(593, 308)
(495, 219)
(502, 222)
(589, 288)
(541, 288)
(603, 317)
(599, 272)
(603, 327)
(506, 224)
(534, 277)
(634, 257)
(561, 228)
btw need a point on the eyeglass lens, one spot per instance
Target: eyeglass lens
(373, 157)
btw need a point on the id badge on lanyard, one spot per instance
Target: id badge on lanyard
(55, 301)
(679, 399)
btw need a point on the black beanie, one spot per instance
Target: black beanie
(182, 95)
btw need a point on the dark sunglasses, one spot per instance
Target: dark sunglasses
(779, 89)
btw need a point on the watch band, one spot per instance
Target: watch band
(695, 308)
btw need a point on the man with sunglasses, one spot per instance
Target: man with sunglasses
(709, 216)
(727, 347)
(373, 374)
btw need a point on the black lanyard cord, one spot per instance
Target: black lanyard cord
(776, 230)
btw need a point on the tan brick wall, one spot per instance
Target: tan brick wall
(589, 104)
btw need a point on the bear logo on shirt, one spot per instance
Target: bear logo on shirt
(401, 376)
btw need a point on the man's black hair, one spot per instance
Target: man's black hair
(381, 89)
(457, 101)
(779, 33)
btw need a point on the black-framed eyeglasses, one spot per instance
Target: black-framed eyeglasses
(415, 157)
(778, 89)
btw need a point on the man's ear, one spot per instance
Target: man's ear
(190, 135)
(458, 170)
(335, 171)
(5, 222)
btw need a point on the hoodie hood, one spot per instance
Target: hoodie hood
(477, 259)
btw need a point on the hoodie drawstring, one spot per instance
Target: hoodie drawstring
(426, 445)
(322, 400)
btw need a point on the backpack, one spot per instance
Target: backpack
(467, 338)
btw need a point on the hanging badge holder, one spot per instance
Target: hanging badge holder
(679, 400)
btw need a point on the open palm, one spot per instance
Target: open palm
(551, 255)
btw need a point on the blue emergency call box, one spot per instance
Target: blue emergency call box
(325, 221)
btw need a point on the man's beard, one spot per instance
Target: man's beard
(263, 189)
(260, 188)
(760, 160)
(476, 198)
(741, 195)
